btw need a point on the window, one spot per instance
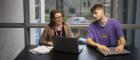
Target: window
(74, 10)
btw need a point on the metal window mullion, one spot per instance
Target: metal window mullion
(26, 22)
(134, 21)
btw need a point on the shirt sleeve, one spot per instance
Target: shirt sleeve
(90, 32)
(118, 30)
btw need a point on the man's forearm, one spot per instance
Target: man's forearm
(122, 41)
(91, 42)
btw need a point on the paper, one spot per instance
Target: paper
(41, 50)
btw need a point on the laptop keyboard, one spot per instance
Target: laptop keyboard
(113, 52)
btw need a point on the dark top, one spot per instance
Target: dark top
(60, 33)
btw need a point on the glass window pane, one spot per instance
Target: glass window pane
(35, 34)
(37, 11)
(71, 9)
(76, 11)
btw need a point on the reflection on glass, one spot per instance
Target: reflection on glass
(35, 34)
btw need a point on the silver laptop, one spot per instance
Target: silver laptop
(113, 52)
(64, 44)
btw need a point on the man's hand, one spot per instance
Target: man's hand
(103, 48)
(119, 48)
(99, 46)
(121, 44)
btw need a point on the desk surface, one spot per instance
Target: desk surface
(88, 53)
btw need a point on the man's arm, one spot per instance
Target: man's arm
(122, 41)
(121, 44)
(99, 46)
(91, 42)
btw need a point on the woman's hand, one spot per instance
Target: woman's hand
(78, 35)
(50, 43)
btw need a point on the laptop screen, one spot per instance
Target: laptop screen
(65, 44)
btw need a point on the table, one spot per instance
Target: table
(88, 53)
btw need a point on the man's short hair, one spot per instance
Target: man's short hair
(97, 6)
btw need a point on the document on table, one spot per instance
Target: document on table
(41, 50)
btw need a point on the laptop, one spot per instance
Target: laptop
(64, 44)
(113, 52)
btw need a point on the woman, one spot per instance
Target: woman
(56, 27)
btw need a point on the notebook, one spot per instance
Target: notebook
(113, 52)
(64, 44)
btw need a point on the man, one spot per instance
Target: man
(105, 32)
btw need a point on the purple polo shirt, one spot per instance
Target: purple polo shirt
(107, 35)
